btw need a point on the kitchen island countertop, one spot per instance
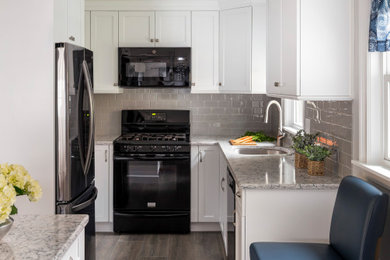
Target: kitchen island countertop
(267, 172)
(41, 237)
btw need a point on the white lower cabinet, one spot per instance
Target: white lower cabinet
(223, 203)
(205, 184)
(104, 184)
(282, 216)
(77, 250)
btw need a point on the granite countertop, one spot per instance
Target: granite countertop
(105, 139)
(267, 172)
(41, 237)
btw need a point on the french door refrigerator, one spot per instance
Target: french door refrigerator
(75, 173)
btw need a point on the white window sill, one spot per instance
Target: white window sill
(291, 129)
(379, 173)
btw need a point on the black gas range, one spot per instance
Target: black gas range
(152, 172)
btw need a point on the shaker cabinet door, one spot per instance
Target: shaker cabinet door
(102, 183)
(209, 183)
(236, 50)
(136, 29)
(205, 41)
(104, 44)
(173, 29)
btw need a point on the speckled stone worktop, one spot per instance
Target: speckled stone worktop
(41, 237)
(267, 172)
(105, 139)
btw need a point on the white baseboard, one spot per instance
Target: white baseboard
(104, 227)
(205, 227)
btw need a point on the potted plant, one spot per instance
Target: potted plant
(316, 156)
(300, 141)
(14, 181)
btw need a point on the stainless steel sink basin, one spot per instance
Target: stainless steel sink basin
(265, 151)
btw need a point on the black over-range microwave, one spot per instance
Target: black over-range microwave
(154, 67)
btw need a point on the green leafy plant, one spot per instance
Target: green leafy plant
(316, 152)
(260, 136)
(303, 139)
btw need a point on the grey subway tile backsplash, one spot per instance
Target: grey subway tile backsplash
(211, 114)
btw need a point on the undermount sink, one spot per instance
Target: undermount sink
(266, 151)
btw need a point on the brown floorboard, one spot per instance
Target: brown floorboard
(193, 246)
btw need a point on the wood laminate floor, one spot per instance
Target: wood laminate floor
(193, 246)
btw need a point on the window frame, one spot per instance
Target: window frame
(290, 111)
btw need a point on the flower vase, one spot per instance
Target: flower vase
(5, 227)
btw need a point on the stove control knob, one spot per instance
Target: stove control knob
(136, 148)
(153, 148)
(177, 148)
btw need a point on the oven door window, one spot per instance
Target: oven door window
(152, 184)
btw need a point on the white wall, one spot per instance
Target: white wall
(27, 94)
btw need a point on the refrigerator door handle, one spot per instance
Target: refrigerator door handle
(91, 117)
(86, 203)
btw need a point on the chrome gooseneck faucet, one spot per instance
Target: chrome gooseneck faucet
(281, 134)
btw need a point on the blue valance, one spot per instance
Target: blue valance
(379, 37)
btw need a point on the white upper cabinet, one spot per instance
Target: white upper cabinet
(173, 29)
(87, 29)
(205, 41)
(136, 29)
(309, 49)
(236, 50)
(155, 29)
(104, 44)
(69, 21)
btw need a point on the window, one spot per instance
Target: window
(386, 106)
(293, 114)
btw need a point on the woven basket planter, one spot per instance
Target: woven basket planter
(300, 161)
(315, 168)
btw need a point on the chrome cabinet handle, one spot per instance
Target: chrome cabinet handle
(222, 187)
(238, 194)
(151, 40)
(105, 155)
(157, 40)
(200, 157)
(72, 38)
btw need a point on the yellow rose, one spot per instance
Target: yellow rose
(4, 213)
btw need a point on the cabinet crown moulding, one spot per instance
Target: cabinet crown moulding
(151, 5)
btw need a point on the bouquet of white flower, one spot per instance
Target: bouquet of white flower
(15, 181)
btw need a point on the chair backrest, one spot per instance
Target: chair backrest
(358, 219)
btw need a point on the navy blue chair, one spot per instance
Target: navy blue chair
(357, 223)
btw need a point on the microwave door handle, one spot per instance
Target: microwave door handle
(91, 116)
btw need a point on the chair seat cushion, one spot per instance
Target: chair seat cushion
(292, 251)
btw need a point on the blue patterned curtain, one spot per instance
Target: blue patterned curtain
(379, 38)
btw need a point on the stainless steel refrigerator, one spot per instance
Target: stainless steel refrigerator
(75, 172)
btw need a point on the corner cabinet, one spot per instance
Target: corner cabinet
(69, 21)
(155, 29)
(104, 44)
(310, 49)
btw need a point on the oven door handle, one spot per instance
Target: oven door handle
(151, 215)
(120, 158)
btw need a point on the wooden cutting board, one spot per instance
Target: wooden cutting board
(246, 140)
